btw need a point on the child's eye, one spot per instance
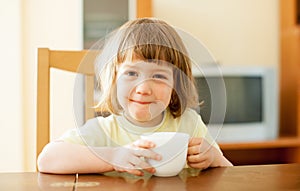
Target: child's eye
(131, 73)
(159, 76)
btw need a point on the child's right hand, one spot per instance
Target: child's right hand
(131, 158)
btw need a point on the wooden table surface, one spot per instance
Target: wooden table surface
(258, 177)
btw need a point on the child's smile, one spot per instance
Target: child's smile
(140, 102)
(144, 90)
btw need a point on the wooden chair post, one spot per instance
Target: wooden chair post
(43, 99)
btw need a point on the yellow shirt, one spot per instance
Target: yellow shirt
(115, 130)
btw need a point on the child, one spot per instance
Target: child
(147, 85)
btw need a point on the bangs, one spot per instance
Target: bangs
(148, 52)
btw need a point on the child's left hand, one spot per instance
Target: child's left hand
(201, 154)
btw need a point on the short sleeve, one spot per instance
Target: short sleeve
(90, 134)
(201, 129)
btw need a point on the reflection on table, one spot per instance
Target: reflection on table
(258, 177)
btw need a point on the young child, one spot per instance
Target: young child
(146, 83)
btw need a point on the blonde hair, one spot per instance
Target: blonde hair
(148, 39)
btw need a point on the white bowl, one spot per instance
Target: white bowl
(172, 146)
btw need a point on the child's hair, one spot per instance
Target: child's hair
(151, 40)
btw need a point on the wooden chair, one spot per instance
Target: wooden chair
(68, 61)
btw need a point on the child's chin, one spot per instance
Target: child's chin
(142, 117)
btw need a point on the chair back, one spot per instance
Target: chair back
(73, 61)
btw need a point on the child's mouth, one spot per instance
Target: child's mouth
(141, 102)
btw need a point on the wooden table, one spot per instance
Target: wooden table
(258, 177)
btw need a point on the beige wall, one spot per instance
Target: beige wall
(25, 26)
(11, 135)
(236, 32)
(54, 24)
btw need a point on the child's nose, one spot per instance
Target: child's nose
(144, 88)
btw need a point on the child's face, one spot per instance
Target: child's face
(144, 90)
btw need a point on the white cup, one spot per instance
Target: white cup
(172, 146)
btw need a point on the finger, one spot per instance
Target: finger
(194, 150)
(146, 166)
(205, 147)
(130, 169)
(150, 170)
(195, 141)
(147, 153)
(140, 163)
(196, 158)
(136, 172)
(133, 171)
(144, 144)
(198, 161)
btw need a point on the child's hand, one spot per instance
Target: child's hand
(201, 154)
(131, 158)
